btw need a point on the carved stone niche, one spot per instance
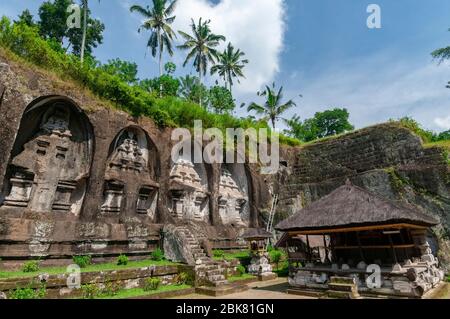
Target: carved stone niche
(189, 192)
(51, 158)
(232, 200)
(130, 188)
(113, 197)
(147, 200)
(21, 184)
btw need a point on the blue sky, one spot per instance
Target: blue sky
(321, 49)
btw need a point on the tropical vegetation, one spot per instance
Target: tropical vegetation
(273, 106)
(158, 20)
(171, 101)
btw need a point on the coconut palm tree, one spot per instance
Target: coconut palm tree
(273, 107)
(202, 46)
(158, 20)
(230, 65)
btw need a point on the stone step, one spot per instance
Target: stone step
(215, 272)
(219, 283)
(203, 264)
(216, 278)
(222, 290)
(206, 267)
(206, 261)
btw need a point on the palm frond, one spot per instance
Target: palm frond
(137, 8)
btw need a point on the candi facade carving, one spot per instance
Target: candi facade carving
(129, 186)
(189, 193)
(232, 200)
(49, 172)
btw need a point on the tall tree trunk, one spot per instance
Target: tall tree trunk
(83, 41)
(160, 64)
(200, 88)
(273, 123)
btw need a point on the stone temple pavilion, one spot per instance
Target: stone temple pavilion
(379, 246)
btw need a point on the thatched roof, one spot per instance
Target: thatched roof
(256, 233)
(352, 206)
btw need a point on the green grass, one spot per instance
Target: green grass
(239, 278)
(234, 255)
(91, 268)
(139, 292)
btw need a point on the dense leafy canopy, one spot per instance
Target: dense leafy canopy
(27, 18)
(220, 100)
(53, 25)
(162, 86)
(26, 43)
(323, 124)
(126, 71)
(168, 100)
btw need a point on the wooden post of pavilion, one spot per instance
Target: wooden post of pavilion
(394, 254)
(361, 254)
(327, 259)
(309, 248)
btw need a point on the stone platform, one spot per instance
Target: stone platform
(222, 290)
(267, 277)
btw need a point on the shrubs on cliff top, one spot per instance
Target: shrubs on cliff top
(25, 42)
(426, 135)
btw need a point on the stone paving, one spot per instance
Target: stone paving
(273, 289)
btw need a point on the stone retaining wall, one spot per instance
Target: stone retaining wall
(56, 285)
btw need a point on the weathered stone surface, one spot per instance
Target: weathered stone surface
(385, 159)
(189, 191)
(259, 264)
(176, 245)
(104, 179)
(101, 176)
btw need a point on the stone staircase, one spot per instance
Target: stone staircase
(208, 271)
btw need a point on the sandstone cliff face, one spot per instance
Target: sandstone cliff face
(118, 206)
(386, 159)
(116, 195)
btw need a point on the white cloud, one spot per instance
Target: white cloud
(379, 88)
(443, 122)
(256, 27)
